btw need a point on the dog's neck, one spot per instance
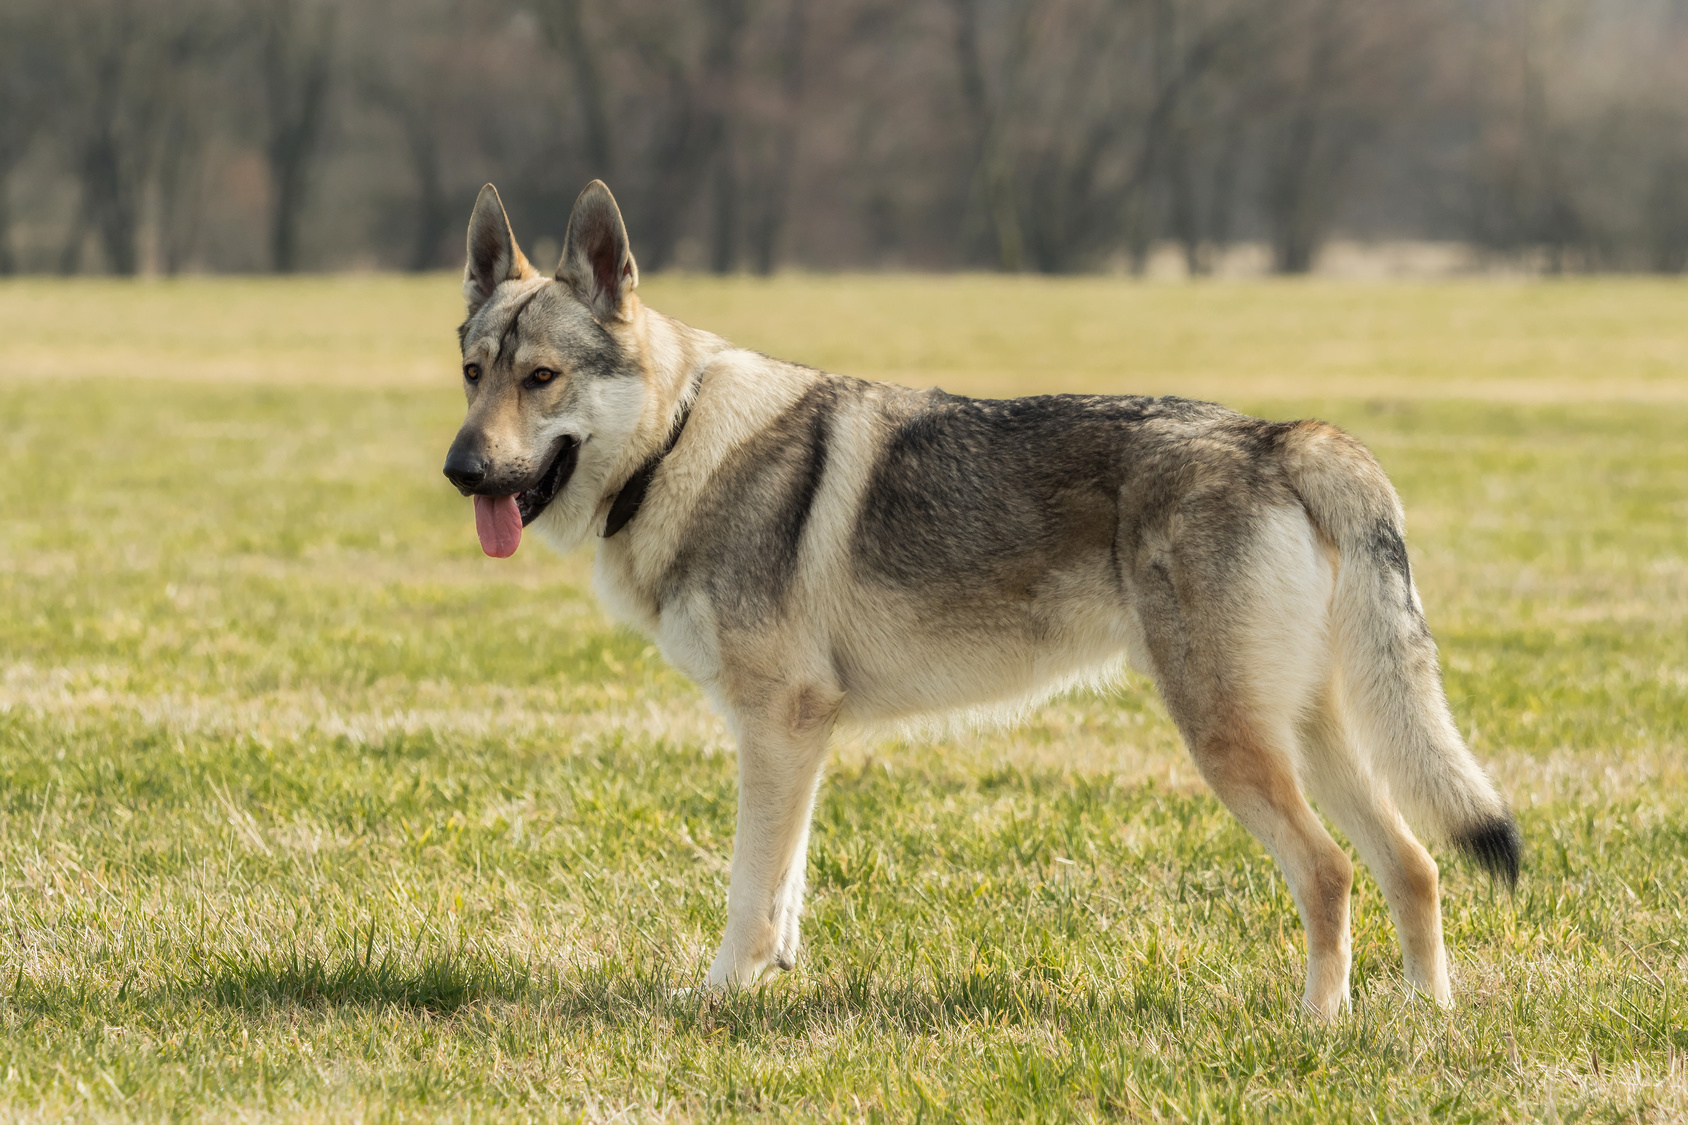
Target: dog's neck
(676, 356)
(738, 395)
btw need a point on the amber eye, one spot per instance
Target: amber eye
(542, 375)
(471, 371)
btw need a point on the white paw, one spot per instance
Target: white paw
(728, 973)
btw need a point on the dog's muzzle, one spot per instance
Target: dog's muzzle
(468, 469)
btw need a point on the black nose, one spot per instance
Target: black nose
(465, 468)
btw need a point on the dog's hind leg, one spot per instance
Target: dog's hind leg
(1342, 784)
(1233, 629)
(1257, 783)
(782, 747)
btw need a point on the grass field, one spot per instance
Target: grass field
(308, 810)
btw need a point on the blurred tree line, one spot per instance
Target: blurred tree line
(1046, 135)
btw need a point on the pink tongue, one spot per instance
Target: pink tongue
(499, 524)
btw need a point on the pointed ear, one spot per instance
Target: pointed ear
(597, 262)
(494, 256)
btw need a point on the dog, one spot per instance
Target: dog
(818, 551)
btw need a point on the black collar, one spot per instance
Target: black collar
(626, 503)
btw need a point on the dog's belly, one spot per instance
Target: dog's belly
(902, 657)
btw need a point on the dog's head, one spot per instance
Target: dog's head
(552, 371)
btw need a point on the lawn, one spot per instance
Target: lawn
(308, 810)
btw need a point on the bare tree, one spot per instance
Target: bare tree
(1664, 226)
(1185, 54)
(992, 202)
(1305, 160)
(1521, 196)
(27, 88)
(1077, 121)
(109, 145)
(721, 78)
(296, 46)
(1056, 135)
(433, 216)
(421, 88)
(691, 70)
(180, 189)
(565, 28)
(1666, 221)
(1331, 86)
(189, 119)
(771, 193)
(121, 60)
(1204, 86)
(1126, 106)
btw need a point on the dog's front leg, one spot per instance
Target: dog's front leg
(779, 771)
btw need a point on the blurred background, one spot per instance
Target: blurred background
(1163, 136)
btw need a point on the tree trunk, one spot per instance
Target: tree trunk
(8, 262)
(1291, 206)
(295, 71)
(672, 178)
(1182, 215)
(1157, 161)
(776, 198)
(1667, 216)
(433, 218)
(565, 27)
(698, 132)
(1298, 195)
(117, 211)
(991, 195)
(110, 159)
(724, 227)
(1223, 190)
(721, 63)
(70, 253)
(180, 187)
(27, 88)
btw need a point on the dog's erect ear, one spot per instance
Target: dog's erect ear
(494, 256)
(597, 262)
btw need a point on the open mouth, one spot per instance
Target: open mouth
(534, 501)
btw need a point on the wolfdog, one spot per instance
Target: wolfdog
(817, 551)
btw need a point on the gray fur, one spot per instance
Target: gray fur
(744, 541)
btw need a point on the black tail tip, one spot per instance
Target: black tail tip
(1496, 845)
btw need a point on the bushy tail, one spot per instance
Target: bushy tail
(1386, 659)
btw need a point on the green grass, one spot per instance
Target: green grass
(308, 810)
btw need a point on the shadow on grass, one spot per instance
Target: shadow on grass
(443, 982)
(804, 1004)
(447, 981)
(485, 993)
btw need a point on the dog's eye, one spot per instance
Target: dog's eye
(542, 375)
(471, 371)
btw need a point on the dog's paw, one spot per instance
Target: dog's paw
(703, 992)
(707, 991)
(727, 974)
(1325, 1009)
